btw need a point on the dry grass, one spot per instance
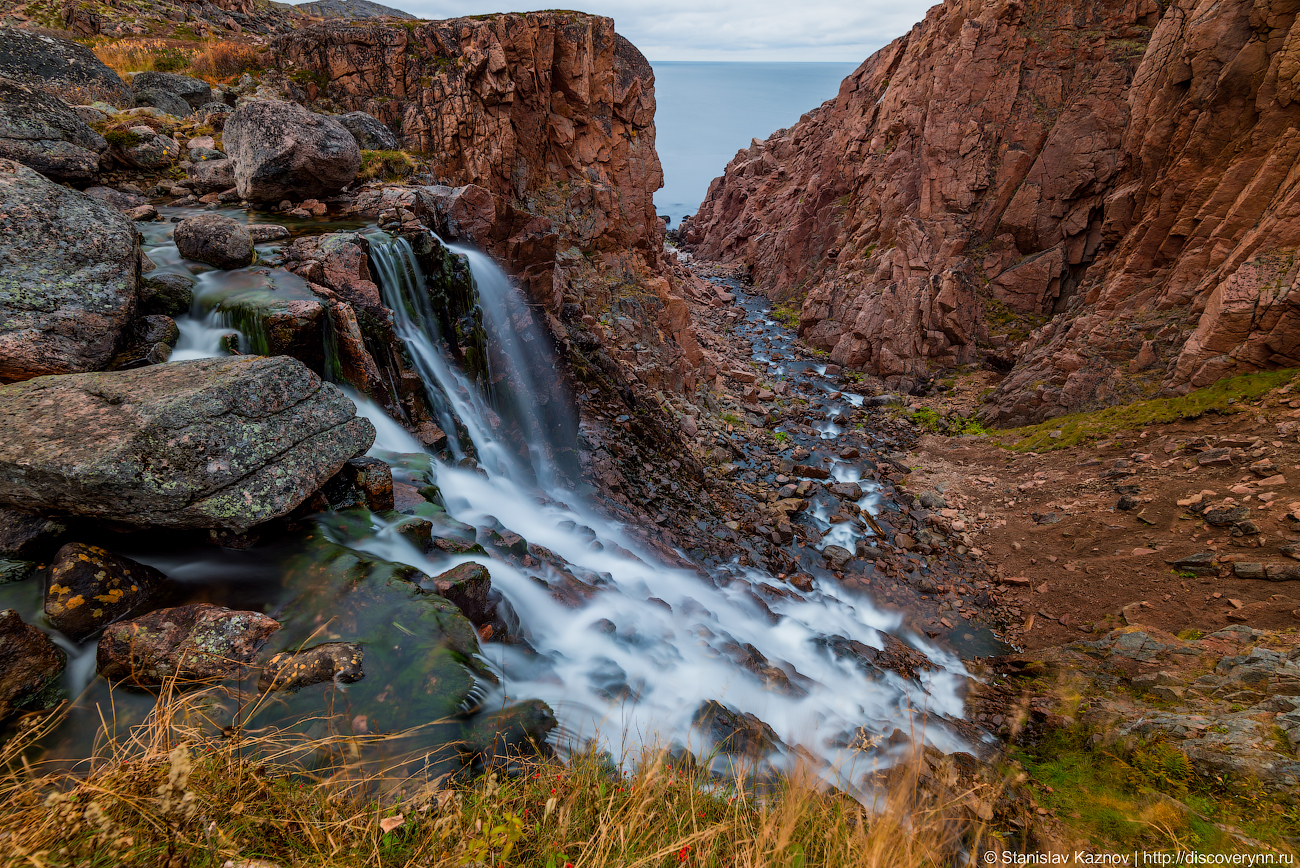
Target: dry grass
(220, 61)
(142, 55)
(178, 791)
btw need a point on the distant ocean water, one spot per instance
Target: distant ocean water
(708, 111)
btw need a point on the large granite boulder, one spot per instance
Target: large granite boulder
(42, 132)
(369, 131)
(40, 59)
(209, 443)
(29, 663)
(193, 91)
(283, 151)
(215, 239)
(69, 277)
(212, 176)
(192, 644)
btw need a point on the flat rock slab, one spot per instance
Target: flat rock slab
(210, 443)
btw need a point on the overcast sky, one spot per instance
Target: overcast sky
(806, 30)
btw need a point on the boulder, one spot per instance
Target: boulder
(29, 663)
(212, 176)
(193, 644)
(69, 275)
(215, 239)
(44, 60)
(732, 732)
(467, 586)
(208, 443)
(192, 91)
(283, 151)
(91, 587)
(163, 101)
(167, 294)
(27, 537)
(369, 131)
(40, 131)
(365, 481)
(340, 662)
(143, 148)
(510, 732)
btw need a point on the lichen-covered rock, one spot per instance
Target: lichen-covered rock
(283, 151)
(40, 131)
(69, 274)
(369, 131)
(42, 59)
(162, 100)
(29, 662)
(193, 644)
(339, 662)
(211, 443)
(117, 199)
(143, 148)
(366, 482)
(212, 176)
(91, 587)
(215, 239)
(192, 91)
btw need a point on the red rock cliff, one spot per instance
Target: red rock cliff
(1115, 181)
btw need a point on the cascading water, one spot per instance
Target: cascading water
(653, 644)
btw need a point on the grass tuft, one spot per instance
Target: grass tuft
(385, 165)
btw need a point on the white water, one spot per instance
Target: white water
(675, 633)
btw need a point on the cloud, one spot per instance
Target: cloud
(755, 30)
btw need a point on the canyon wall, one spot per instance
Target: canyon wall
(1102, 198)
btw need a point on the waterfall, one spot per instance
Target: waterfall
(652, 644)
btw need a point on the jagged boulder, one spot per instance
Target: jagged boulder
(69, 277)
(283, 151)
(41, 59)
(42, 132)
(369, 131)
(193, 644)
(215, 239)
(194, 92)
(210, 443)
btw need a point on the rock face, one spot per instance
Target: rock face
(195, 643)
(29, 662)
(41, 132)
(193, 91)
(41, 59)
(90, 587)
(70, 275)
(283, 151)
(213, 443)
(215, 239)
(370, 133)
(553, 107)
(1118, 171)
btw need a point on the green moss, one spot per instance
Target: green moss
(1224, 397)
(385, 165)
(122, 139)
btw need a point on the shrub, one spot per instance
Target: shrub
(220, 61)
(142, 55)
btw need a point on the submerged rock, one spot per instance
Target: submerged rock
(195, 643)
(519, 730)
(70, 277)
(283, 151)
(213, 443)
(90, 587)
(340, 662)
(215, 239)
(369, 131)
(41, 132)
(29, 663)
(167, 294)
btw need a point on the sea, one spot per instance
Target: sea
(707, 111)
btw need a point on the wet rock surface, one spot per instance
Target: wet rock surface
(218, 443)
(70, 280)
(337, 662)
(90, 588)
(191, 644)
(29, 663)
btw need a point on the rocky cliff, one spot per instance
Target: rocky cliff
(1102, 196)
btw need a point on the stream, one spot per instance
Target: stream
(630, 664)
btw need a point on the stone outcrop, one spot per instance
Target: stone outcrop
(1115, 182)
(193, 91)
(213, 443)
(283, 151)
(370, 133)
(68, 67)
(42, 132)
(69, 277)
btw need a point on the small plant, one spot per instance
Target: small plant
(122, 139)
(385, 165)
(781, 437)
(787, 316)
(731, 419)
